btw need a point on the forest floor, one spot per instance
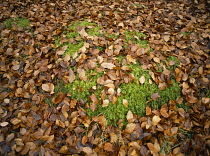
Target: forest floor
(114, 77)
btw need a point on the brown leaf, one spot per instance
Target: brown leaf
(191, 99)
(125, 102)
(148, 111)
(10, 137)
(110, 91)
(62, 50)
(113, 137)
(142, 79)
(15, 121)
(154, 96)
(108, 65)
(71, 76)
(60, 96)
(3, 124)
(64, 149)
(130, 117)
(105, 103)
(60, 123)
(108, 147)
(16, 67)
(155, 120)
(94, 100)
(102, 121)
(87, 150)
(48, 87)
(130, 127)
(81, 73)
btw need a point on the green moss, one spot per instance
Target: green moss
(72, 33)
(18, 21)
(136, 37)
(81, 89)
(138, 97)
(186, 33)
(113, 36)
(72, 48)
(169, 67)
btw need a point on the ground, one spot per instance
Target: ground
(104, 78)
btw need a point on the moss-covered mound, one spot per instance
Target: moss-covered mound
(137, 95)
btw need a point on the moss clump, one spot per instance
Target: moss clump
(136, 37)
(81, 89)
(138, 97)
(72, 33)
(166, 63)
(18, 21)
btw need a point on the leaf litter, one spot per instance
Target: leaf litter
(31, 63)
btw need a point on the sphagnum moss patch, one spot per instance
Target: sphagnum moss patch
(138, 95)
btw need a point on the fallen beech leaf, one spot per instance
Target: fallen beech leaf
(191, 99)
(142, 79)
(130, 127)
(110, 91)
(166, 38)
(125, 102)
(154, 96)
(102, 121)
(62, 50)
(156, 146)
(3, 124)
(108, 147)
(64, 149)
(174, 130)
(130, 59)
(15, 121)
(155, 120)
(82, 73)
(87, 150)
(10, 137)
(156, 59)
(48, 87)
(71, 76)
(108, 65)
(60, 96)
(113, 137)
(16, 67)
(105, 103)
(60, 123)
(94, 100)
(148, 111)
(129, 116)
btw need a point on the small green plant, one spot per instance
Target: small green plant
(18, 21)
